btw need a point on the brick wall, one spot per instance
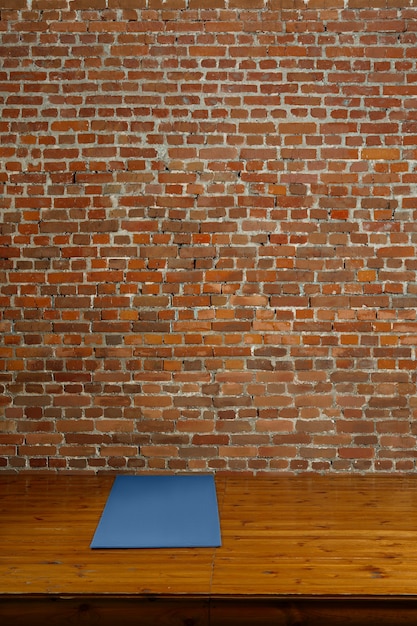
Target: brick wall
(208, 235)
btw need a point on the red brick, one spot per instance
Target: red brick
(356, 453)
(200, 254)
(126, 4)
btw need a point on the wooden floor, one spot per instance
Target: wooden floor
(308, 550)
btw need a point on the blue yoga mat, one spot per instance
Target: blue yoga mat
(149, 511)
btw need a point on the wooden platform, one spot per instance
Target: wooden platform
(309, 550)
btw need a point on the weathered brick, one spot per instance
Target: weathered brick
(207, 237)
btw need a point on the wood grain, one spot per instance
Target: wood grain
(318, 536)
(295, 550)
(47, 524)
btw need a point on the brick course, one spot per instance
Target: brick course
(207, 238)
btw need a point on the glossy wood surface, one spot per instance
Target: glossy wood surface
(318, 536)
(307, 546)
(47, 524)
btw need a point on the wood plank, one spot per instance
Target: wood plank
(284, 577)
(47, 524)
(130, 611)
(104, 611)
(318, 536)
(311, 550)
(313, 612)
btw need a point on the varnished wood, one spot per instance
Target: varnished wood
(295, 550)
(47, 524)
(318, 536)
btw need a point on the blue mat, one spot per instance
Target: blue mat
(175, 511)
